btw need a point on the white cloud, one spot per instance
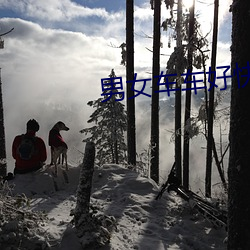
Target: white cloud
(143, 13)
(205, 12)
(50, 74)
(46, 72)
(53, 10)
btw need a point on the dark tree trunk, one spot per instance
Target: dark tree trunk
(116, 152)
(218, 164)
(83, 193)
(209, 159)
(115, 140)
(154, 168)
(239, 160)
(93, 231)
(188, 99)
(131, 130)
(3, 162)
(178, 96)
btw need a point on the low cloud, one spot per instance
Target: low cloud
(50, 73)
(56, 10)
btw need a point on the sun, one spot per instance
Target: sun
(188, 3)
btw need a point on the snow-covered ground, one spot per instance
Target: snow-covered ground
(141, 221)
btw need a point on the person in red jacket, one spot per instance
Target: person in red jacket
(29, 150)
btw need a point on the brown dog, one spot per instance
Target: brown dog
(58, 146)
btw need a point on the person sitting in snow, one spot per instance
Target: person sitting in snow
(29, 150)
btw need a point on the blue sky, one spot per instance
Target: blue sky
(59, 14)
(109, 5)
(89, 16)
(53, 61)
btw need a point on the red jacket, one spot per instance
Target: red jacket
(37, 159)
(55, 139)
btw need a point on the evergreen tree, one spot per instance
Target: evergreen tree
(186, 55)
(178, 156)
(188, 97)
(239, 160)
(110, 120)
(154, 168)
(3, 161)
(3, 164)
(131, 126)
(210, 139)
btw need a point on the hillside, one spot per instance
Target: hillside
(141, 221)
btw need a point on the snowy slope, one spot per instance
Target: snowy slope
(141, 221)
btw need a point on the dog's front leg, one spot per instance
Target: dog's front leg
(55, 165)
(51, 155)
(55, 158)
(56, 170)
(66, 161)
(63, 157)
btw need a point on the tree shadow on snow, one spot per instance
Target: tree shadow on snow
(167, 223)
(39, 187)
(177, 227)
(124, 191)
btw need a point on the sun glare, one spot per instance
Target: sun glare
(188, 3)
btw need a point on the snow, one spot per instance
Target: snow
(141, 221)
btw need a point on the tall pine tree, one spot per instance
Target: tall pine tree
(131, 124)
(110, 120)
(186, 55)
(154, 168)
(239, 160)
(3, 161)
(188, 98)
(3, 164)
(210, 138)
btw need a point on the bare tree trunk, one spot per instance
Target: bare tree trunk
(3, 162)
(116, 152)
(94, 231)
(83, 193)
(131, 130)
(115, 140)
(188, 99)
(178, 157)
(216, 158)
(239, 159)
(211, 104)
(154, 169)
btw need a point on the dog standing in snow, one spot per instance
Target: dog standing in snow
(58, 146)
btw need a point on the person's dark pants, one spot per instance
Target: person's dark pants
(25, 171)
